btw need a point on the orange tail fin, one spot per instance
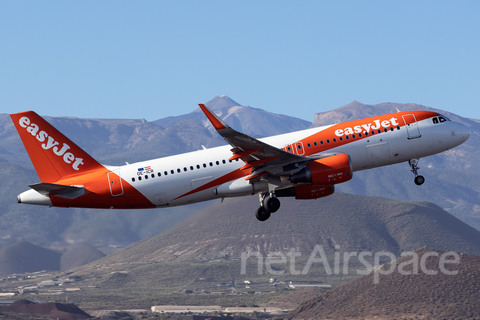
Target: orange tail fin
(53, 155)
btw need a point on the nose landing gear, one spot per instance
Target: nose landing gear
(268, 205)
(419, 180)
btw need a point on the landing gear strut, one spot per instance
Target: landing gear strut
(419, 180)
(268, 205)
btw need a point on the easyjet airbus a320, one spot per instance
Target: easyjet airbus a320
(305, 164)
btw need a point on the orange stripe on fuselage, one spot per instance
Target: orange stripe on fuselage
(351, 128)
(234, 175)
(98, 194)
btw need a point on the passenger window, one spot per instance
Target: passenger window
(198, 166)
(308, 145)
(373, 132)
(353, 136)
(321, 142)
(172, 172)
(217, 163)
(146, 177)
(341, 138)
(133, 179)
(366, 133)
(191, 167)
(211, 164)
(299, 146)
(315, 143)
(165, 173)
(398, 127)
(347, 137)
(359, 135)
(328, 140)
(204, 165)
(139, 178)
(223, 161)
(385, 130)
(334, 139)
(435, 120)
(185, 169)
(178, 170)
(159, 174)
(379, 131)
(153, 175)
(391, 129)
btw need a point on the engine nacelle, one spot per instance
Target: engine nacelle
(326, 171)
(306, 191)
(240, 187)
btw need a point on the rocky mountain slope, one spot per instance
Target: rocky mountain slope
(350, 222)
(399, 296)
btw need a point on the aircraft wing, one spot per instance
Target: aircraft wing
(261, 157)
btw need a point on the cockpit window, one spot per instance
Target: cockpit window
(442, 119)
(435, 120)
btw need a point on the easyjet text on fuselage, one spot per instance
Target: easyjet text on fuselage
(375, 125)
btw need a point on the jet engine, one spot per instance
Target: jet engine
(327, 171)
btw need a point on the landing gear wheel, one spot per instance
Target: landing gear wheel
(419, 180)
(272, 204)
(262, 214)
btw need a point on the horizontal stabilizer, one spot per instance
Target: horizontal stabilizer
(58, 190)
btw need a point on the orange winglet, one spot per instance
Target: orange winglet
(243, 154)
(216, 122)
(257, 163)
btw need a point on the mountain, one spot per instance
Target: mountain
(400, 296)
(252, 121)
(355, 223)
(451, 177)
(26, 257)
(54, 310)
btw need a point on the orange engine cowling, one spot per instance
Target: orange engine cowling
(326, 171)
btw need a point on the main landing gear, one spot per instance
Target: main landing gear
(419, 180)
(268, 205)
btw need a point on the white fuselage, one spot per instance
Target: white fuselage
(180, 174)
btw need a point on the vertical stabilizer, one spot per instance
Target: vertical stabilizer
(53, 155)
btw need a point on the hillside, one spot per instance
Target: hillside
(414, 296)
(26, 257)
(355, 223)
(79, 255)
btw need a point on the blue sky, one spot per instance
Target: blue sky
(153, 59)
